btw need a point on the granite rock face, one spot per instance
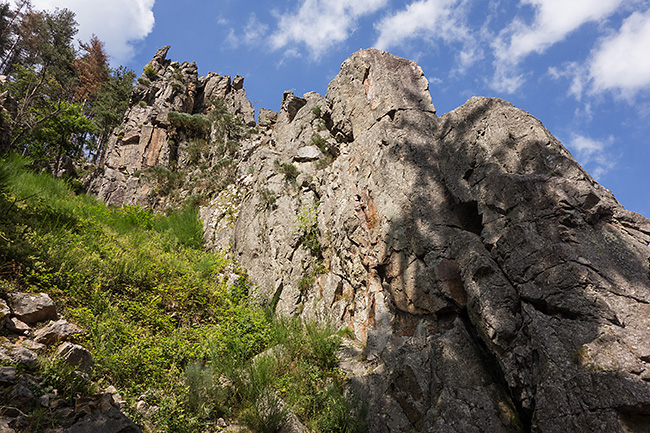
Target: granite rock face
(490, 282)
(149, 138)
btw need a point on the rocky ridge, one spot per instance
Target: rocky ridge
(490, 282)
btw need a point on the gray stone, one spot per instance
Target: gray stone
(21, 396)
(267, 118)
(105, 421)
(307, 153)
(7, 375)
(17, 355)
(17, 326)
(60, 330)
(75, 355)
(29, 344)
(32, 307)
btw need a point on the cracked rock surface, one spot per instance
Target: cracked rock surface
(490, 282)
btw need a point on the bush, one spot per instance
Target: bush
(306, 226)
(329, 152)
(195, 125)
(289, 170)
(268, 198)
(150, 72)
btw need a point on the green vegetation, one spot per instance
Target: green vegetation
(268, 198)
(329, 152)
(167, 180)
(289, 170)
(194, 125)
(299, 369)
(150, 72)
(316, 111)
(66, 100)
(161, 320)
(307, 229)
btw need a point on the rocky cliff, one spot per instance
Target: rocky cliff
(490, 282)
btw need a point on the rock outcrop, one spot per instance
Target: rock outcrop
(150, 138)
(491, 283)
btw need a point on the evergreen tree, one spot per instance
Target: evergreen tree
(61, 104)
(107, 107)
(92, 68)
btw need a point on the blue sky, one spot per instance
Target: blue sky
(580, 66)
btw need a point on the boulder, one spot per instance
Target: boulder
(61, 330)
(75, 356)
(17, 326)
(14, 354)
(7, 375)
(21, 396)
(32, 307)
(307, 153)
(104, 421)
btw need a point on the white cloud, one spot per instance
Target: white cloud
(592, 154)
(253, 33)
(254, 30)
(621, 62)
(320, 24)
(430, 20)
(553, 21)
(574, 71)
(118, 23)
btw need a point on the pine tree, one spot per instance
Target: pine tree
(92, 69)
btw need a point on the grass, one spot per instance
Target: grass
(298, 372)
(161, 320)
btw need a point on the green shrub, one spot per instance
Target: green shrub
(306, 225)
(316, 111)
(150, 72)
(268, 198)
(195, 125)
(144, 82)
(289, 170)
(329, 152)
